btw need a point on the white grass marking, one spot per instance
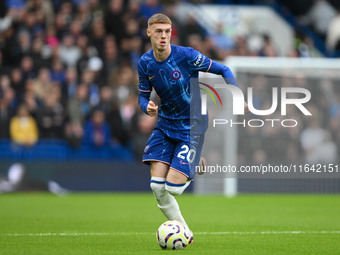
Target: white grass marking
(267, 232)
(196, 233)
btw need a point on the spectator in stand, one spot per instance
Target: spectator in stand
(51, 116)
(45, 8)
(149, 8)
(57, 71)
(106, 98)
(88, 78)
(241, 48)
(111, 58)
(7, 92)
(210, 50)
(98, 36)
(195, 41)
(319, 17)
(23, 128)
(96, 8)
(3, 68)
(87, 50)
(61, 28)
(8, 103)
(133, 10)
(17, 82)
(97, 132)
(119, 131)
(75, 29)
(29, 23)
(78, 110)
(78, 106)
(51, 39)
(124, 88)
(5, 116)
(69, 87)
(268, 49)
(221, 40)
(189, 28)
(42, 86)
(27, 68)
(68, 52)
(41, 55)
(333, 33)
(22, 46)
(305, 47)
(132, 43)
(114, 20)
(312, 137)
(82, 14)
(31, 101)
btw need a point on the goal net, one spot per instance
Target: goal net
(290, 140)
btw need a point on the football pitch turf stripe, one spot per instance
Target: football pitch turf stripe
(197, 233)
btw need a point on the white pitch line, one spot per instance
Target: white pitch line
(267, 232)
(196, 233)
(77, 234)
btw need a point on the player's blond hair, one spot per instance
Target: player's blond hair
(159, 18)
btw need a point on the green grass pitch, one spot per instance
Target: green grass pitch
(125, 223)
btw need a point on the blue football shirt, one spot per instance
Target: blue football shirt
(180, 108)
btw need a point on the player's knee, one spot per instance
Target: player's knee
(175, 189)
(157, 186)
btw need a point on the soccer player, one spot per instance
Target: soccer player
(175, 144)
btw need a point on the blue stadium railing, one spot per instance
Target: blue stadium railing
(60, 150)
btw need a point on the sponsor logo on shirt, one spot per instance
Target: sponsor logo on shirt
(200, 60)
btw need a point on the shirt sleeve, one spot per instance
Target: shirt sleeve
(144, 88)
(223, 70)
(198, 62)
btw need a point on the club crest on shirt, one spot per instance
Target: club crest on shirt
(176, 74)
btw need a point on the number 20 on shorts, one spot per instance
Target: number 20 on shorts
(190, 153)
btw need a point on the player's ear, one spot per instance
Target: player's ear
(148, 32)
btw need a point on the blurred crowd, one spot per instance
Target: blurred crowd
(314, 139)
(322, 16)
(68, 68)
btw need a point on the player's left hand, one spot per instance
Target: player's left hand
(152, 109)
(246, 108)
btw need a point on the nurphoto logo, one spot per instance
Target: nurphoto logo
(238, 98)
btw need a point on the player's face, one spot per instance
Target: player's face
(160, 35)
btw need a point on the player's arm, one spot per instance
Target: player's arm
(227, 74)
(145, 88)
(147, 106)
(199, 62)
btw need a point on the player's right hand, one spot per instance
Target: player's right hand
(152, 109)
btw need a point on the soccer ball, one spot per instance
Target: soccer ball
(173, 235)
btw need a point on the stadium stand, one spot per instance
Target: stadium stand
(66, 59)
